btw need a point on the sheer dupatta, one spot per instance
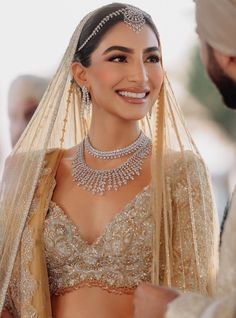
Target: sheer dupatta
(184, 240)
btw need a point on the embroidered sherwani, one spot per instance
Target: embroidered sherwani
(223, 305)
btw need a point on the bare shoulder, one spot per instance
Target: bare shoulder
(64, 168)
(69, 153)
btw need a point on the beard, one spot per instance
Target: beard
(225, 84)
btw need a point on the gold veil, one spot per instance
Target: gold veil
(56, 124)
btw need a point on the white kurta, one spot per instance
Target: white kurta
(223, 305)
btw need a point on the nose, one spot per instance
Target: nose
(138, 73)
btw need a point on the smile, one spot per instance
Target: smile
(139, 95)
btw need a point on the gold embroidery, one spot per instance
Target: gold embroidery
(192, 213)
(27, 281)
(117, 261)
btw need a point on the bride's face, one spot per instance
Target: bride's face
(125, 75)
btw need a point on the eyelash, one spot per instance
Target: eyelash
(156, 58)
(122, 59)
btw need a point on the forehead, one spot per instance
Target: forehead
(121, 34)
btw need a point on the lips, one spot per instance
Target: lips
(140, 95)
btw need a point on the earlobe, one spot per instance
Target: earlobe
(79, 73)
(228, 64)
(233, 62)
(223, 60)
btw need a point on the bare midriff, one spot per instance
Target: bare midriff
(91, 302)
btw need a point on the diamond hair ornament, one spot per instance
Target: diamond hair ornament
(133, 17)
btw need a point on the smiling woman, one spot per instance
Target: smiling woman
(97, 196)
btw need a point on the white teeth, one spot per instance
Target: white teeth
(132, 95)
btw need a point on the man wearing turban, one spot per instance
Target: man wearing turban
(216, 27)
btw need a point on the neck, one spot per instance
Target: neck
(110, 132)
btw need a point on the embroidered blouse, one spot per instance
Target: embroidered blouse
(117, 261)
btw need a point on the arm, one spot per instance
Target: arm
(196, 306)
(194, 226)
(193, 244)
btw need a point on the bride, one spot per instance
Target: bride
(105, 189)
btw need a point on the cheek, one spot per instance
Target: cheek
(203, 54)
(156, 77)
(108, 76)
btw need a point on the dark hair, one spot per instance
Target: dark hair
(84, 55)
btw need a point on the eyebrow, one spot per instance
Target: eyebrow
(128, 50)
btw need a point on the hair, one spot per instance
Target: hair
(84, 55)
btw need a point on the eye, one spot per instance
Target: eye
(117, 59)
(153, 59)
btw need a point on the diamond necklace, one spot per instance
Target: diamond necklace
(100, 181)
(114, 154)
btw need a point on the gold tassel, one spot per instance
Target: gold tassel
(68, 100)
(157, 183)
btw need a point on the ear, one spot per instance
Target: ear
(79, 73)
(227, 63)
(231, 70)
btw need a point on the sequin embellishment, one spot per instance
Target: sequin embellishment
(117, 261)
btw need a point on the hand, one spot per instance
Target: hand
(151, 301)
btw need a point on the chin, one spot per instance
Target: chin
(135, 116)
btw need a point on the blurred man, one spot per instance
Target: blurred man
(24, 95)
(216, 27)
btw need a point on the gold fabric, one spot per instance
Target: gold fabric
(222, 304)
(28, 291)
(216, 24)
(43, 258)
(181, 205)
(116, 261)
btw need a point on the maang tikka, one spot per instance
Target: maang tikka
(85, 103)
(133, 17)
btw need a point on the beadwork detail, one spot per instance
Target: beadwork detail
(118, 153)
(133, 17)
(117, 261)
(85, 103)
(99, 181)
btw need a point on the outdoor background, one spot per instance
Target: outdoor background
(34, 35)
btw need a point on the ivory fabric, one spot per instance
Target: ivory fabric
(38, 249)
(216, 24)
(223, 304)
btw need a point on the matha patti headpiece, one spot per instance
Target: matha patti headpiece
(133, 17)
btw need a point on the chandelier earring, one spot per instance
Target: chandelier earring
(86, 102)
(150, 114)
(150, 111)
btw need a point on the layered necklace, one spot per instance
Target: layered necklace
(98, 181)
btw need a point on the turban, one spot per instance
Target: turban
(216, 24)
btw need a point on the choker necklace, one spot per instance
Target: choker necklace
(102, 180)
(114, 154)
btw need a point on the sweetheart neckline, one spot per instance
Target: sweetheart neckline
(120, 213)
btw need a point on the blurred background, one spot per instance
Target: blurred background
(34, 35)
